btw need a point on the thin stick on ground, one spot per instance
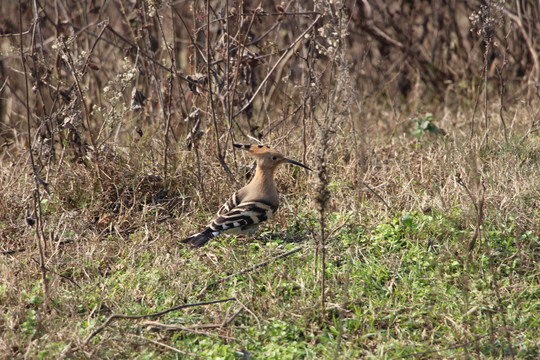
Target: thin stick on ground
(377, 195)
(165, 346)
(193, 328)
(144, 316)
(169, 327)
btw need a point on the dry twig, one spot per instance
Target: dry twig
(136, 317)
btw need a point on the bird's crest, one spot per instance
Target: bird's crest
(255, 149)
(268, 157)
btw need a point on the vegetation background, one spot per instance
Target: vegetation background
(416, 235)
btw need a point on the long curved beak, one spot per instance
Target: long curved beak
(296, 163)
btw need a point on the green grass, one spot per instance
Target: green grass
(411, 292)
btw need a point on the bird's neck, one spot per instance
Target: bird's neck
(264, 178)
(261, 187)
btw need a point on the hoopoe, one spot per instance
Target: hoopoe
(252, 204)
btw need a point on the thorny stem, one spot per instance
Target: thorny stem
(283, 56)
(221, 155)
(85, 108)
(152, 58)
(37, 196)
(486, 54)
(209, 77)
(167, 128)
(501, 88)
(344, 299)
(229, 95)
(169, 100)
(322, 200)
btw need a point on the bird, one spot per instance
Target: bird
(254, 203)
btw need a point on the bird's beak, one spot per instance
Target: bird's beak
(296, 163)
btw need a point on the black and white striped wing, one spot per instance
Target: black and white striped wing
(229, 205)
(242, 218)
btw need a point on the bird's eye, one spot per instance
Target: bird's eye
(274, 158)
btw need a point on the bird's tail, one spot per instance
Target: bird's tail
(201, 238)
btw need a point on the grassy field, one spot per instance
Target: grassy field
(416, 235)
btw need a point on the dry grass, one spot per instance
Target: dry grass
(431, 238)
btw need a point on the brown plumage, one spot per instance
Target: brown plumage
(254, 203)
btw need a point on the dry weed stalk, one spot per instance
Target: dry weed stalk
(36, 194)
(335, 110)
(322, 198)
(478, 202)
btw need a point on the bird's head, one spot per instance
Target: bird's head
(266, 157)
